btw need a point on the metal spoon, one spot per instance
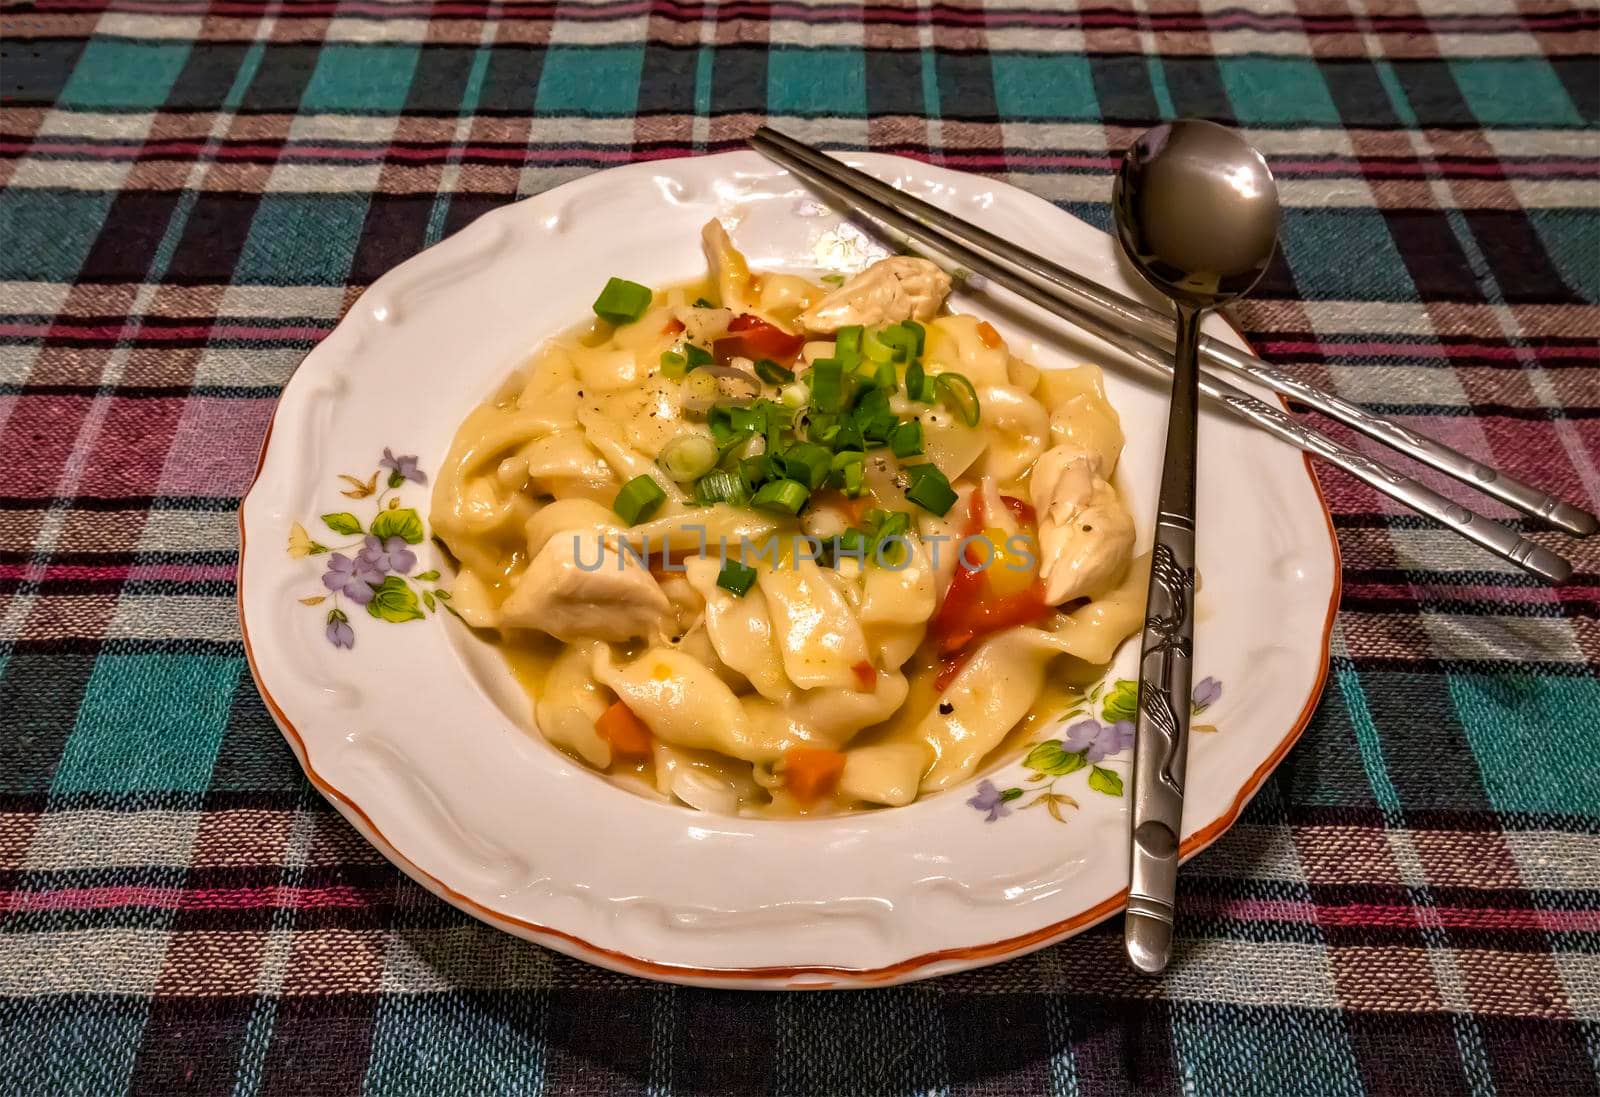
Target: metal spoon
(1197, 213)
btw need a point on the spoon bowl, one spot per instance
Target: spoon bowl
(1196, 211)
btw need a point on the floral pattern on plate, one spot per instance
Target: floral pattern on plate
(373, 572)
(1088, 740)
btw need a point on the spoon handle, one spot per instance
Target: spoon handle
(1161, 736)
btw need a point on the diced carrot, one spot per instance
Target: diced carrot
(673, 327)
(627, 734)
(990, 337)
(866, 675)
(811, 773)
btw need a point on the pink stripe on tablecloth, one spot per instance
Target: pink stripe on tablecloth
(983, 160)
(151, 334)
(1396, 915)
(214, 448)
(100, 898)
(1502, 351)
(174, 573)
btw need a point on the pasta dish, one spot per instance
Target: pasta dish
(769, 545)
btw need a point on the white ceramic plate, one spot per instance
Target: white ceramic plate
(419, 736)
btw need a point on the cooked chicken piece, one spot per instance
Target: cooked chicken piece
(1085, 533)
(899, 288)
(580, 586)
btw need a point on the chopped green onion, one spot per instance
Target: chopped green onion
(688, 457)
(819, 426)
(719, 419)
(833, 279)
(622, 301)
(875, 349)
(746, 418)
(958, 394)
(794, 395)
(900, 341)
(853, 543)
(873, 416)
(702, 303)
(638, 500)
(734, 446)
(736, 578)
(919, 335)
(772, 373)
(906, 439)
(697, 355)
(891, 523)
(740, 449)
(848, 473)
(781, 497)
(847, 345)
(754, 471)
(882, 527)
(720, 486)
(884, 377)
(826, 378)
(674, 365)
(806, 462)
(930, 489)
(847, 437)
(700, 393)
(779, 419)
(919, 386)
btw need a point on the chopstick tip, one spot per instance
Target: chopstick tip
(1543, 563)
(1576, 521)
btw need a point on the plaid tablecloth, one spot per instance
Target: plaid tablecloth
(192, 192)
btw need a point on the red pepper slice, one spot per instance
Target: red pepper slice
(752, 337)
(970, 609)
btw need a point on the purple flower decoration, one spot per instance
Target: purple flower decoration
(403, 467)
(991, 800)
(1206, 693)
(349, 578)
(1098, 741)
(340, 634)
(379, 558)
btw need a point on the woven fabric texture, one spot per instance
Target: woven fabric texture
(191, 192)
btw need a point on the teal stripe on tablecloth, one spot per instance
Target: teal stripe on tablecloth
(595, 80)
(816, 81)
(364, 77)
(131, 737)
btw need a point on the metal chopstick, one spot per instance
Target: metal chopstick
(830, 177)
(1136, 316)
